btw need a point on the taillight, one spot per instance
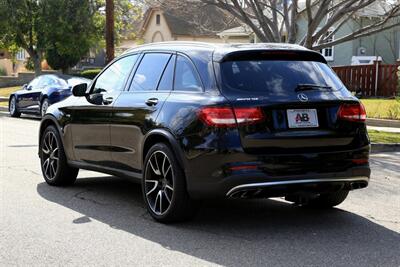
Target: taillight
(352, 112)
(230, 117)
(360, 161)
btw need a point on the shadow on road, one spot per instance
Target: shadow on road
(244, 232)
(386, 163)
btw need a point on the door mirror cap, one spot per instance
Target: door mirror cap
(26, 87)
(79, 89)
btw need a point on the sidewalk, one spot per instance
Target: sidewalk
(384, 129)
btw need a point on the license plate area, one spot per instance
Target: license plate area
(302, 118)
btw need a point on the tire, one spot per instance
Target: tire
(44, 106)
(53, 161)
(161, 173)
(12, 108)
(328, 200)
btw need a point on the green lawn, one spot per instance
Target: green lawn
(5, 92)
(382, 108)
(383, 137)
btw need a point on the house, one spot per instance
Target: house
(384, 45)
(8, 66)
(185, 21)
(95, 58)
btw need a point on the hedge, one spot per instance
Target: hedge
(90, 74)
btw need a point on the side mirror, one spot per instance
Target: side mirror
(79, 89)
(25, 87)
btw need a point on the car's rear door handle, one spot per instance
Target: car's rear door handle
(108, 100)
(152, 101)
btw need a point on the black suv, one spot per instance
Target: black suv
(195, 120)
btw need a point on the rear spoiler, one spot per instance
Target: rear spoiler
(284, 54)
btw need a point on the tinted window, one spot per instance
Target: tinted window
(49, 80)
(186, 78)
(167, 79)
(276, 76)
(60, 82)
(149, 72)
(34, 83)
(43, 81)
(114, 77)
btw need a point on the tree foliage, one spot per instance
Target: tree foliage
(62, 31)
(21, 26)
(69, 32)
(127, 18)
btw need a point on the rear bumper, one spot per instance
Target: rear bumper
(219, 165)
(259, 184)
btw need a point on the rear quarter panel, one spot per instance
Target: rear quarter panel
(199, 144)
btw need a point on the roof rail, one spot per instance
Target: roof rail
(178, 43)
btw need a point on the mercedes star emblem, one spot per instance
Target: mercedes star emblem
(302, 97)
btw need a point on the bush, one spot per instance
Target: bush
(3, 72)
(29, 64)
(89, 74)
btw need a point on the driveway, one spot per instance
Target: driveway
(101, 220)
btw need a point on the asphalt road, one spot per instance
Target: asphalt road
(101, 220)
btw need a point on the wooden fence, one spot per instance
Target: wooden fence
(371, 80)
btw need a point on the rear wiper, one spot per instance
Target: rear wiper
(305, 87)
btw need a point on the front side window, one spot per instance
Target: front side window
(114, 77)
(149, 72)
(186, 77)
(33, 84)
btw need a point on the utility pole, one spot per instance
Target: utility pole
(109, 30)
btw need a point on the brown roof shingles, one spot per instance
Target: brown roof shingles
(194, 18)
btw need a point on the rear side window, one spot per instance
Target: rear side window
(186, 76)
(276, 76)
(149, 72)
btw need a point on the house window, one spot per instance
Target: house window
(328, 52)
(158, 19)
(21, 55)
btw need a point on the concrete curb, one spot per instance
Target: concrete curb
(383, 123)
(390, 147)
(3, 108)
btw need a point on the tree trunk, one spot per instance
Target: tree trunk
(65, 70)
(37, 63)
(109, 30)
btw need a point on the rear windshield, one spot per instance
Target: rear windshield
(277, 76)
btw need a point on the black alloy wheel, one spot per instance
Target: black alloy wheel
(55, 168)
(164, 186)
